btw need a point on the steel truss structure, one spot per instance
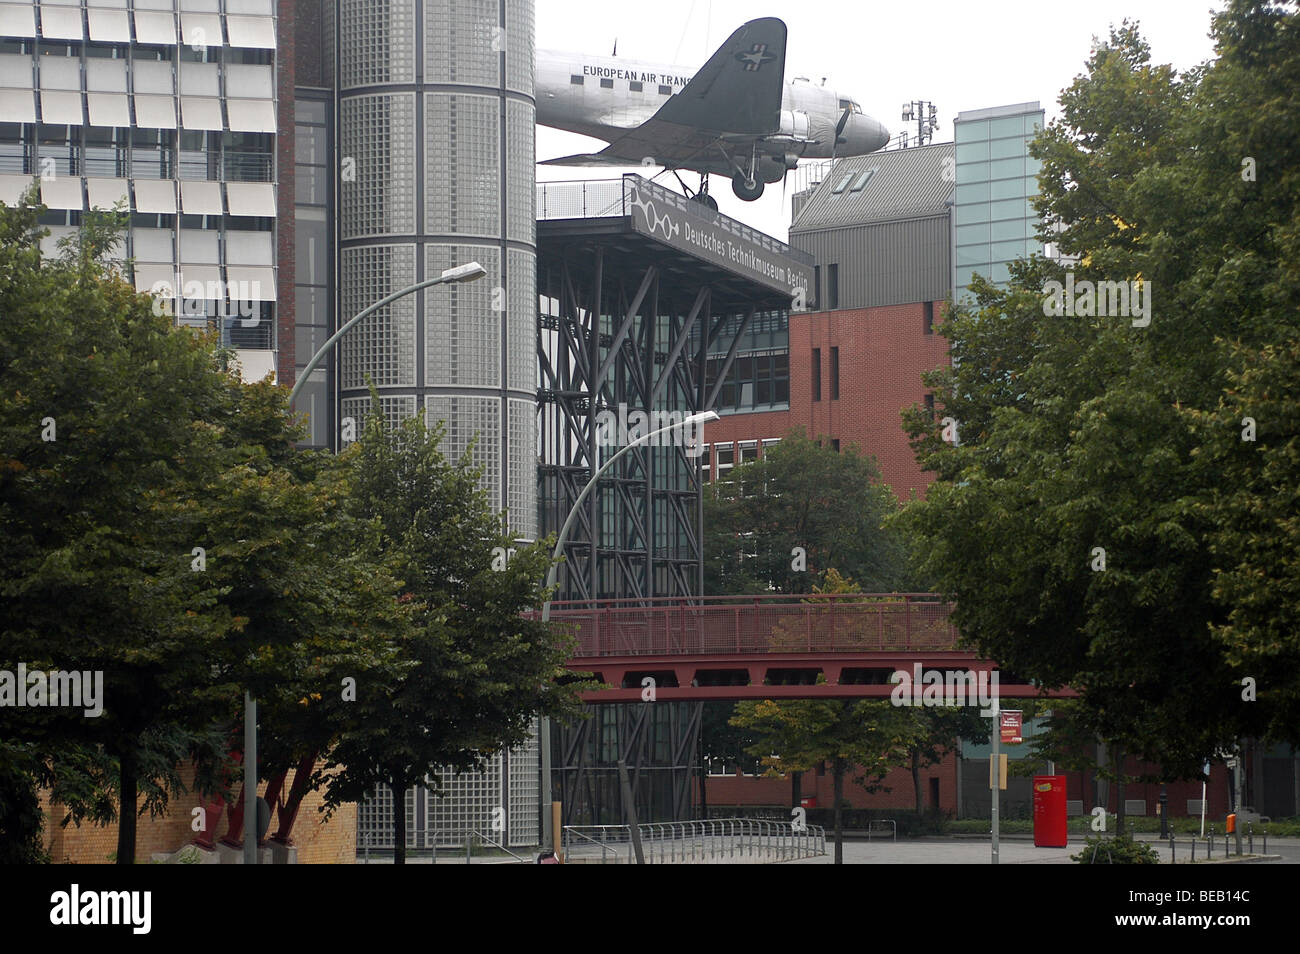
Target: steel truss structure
(626, 324)
(657, 740)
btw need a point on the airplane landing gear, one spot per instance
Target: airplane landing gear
(747, 189)
(702, 194)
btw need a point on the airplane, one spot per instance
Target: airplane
(735, 116)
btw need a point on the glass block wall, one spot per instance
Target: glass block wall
(996, 177)
(436, 169)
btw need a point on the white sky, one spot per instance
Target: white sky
(958, 55)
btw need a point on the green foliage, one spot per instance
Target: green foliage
(21, 819)
(478, 672)
(1120, 850)
(125, 444)
(1080, 433)
(800, 494)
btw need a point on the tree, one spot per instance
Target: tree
(157, 528)
(1069, 524)
(806, 733)
(479, 672)
(102, 415)
(780, 522)
(1251, 443)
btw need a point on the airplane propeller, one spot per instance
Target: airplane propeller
(839, 128)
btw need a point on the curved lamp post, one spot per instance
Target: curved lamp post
(471, 271)
(544, 727)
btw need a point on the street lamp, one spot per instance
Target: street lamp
(544, 724)
(469, 272)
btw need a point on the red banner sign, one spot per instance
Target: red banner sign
(1011, 726)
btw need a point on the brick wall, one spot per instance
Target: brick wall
(745, 790)
(318, 841)
(882, 354)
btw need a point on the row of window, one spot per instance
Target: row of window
(832, 300)
(927, 326)
(635, 86)
(50, 51)
(817, 374)
(154, 27)
(43, 149)
(716, 459)
(755, 381)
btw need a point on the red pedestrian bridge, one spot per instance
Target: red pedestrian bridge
(767, 647)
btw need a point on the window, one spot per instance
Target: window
(746, 452)
(927, 319)
(832, 286)
(726, 458)
(835, 374)
(862, 179)
(817, 286)
(706, 463)
(575, 80)
(835, 444)
(843, 184)
(817, 374)
(634, 86)
(665, 90)
(606, 84)
(929, 404)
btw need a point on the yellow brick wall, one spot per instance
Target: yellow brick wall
(318, 841)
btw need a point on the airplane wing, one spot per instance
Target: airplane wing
(736, 94)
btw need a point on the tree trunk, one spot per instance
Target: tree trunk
(128, 783)
(916, 781)
(399, 825)
(839, 814)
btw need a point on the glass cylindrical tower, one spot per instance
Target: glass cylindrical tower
(436, 168)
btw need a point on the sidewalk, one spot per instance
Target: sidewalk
(1012, 850)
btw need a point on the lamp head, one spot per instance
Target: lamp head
(469, 272)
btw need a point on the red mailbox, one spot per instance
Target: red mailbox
(1050, 824)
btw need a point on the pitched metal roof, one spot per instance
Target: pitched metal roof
(906, 183)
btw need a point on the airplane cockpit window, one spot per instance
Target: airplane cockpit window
(850, 105)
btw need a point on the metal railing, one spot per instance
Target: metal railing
(604, 198)
(705, 841)
(882, 821)
(427, 843)
(759, 624)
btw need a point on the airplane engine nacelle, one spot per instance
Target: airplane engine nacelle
(794, 123)
(772, 169)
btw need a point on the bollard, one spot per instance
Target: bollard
(1265, 841)
(1250, 838)
(1193, 848)
(1171, 850)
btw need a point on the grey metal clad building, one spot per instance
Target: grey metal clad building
(879, 227)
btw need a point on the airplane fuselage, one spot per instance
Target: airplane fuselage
(604, 97)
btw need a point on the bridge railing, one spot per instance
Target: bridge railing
(759, 624)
